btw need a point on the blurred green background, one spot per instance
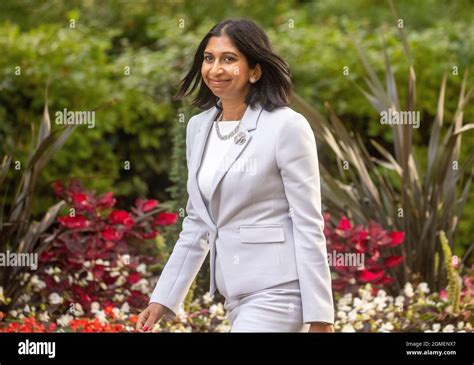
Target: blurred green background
(84, 67)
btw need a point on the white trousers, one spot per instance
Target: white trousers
(276, 309)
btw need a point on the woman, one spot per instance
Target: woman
(254, 193)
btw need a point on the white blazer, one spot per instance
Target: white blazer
(265, 214)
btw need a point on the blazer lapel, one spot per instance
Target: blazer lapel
(248, 123)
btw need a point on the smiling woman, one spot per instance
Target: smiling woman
(235, 61)
(271, 266)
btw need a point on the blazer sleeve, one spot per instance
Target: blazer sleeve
(187, 257)
(297, 159)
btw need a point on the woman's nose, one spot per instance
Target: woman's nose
(216, 69)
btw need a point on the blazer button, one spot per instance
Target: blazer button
(239, 138)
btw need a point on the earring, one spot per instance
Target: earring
(252, 80)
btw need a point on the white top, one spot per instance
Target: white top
(214, 151)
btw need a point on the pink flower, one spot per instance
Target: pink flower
(78, 221)
(121, 217)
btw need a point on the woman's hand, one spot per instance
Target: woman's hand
(150, 316)
(321, 327)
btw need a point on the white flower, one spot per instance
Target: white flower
(118, 297)
(448, 328)
(348, 328)
(37, 283)
(125, 308)
(408, 290)
(95, 307)
(121, 280)
(423, 288)
(352, 315)
(182, 315)
(44, 317)
(223, 327)
(64, 320)
(386, 327)
(55, 298)
(345, 300)
(24, 297)
(399, 302)
(207, 299)
(141, 268)
(342, 315)
(345, 308)
(460, 325)
(216, 310)
(100, 315)
(436, 327)
(26, 309)
(382, 293)
(49, 270)
(380, 303)
(358, 303)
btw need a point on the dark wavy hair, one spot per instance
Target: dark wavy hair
(274, 87)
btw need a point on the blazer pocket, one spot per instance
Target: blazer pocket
(261, 233)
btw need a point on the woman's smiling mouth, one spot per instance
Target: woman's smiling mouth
(217, 82)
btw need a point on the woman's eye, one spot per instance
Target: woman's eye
(207, 58)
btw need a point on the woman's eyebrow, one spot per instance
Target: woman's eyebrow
(232, 53)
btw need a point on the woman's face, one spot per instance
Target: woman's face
(225, 70)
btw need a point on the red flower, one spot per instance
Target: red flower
(107, 200)
(121, 217)
(397, 238)
(80, 199)
(58, 188)
(111, 234)
(78, 221)
(146, 205)
(393, 261)
(164, 219)
(344, 224)
(150, 235)
(134, 277)
(370, 276)
(385, 280)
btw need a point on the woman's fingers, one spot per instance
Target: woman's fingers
(142, 317)
(152, 319)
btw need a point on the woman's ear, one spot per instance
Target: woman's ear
(255, 74)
